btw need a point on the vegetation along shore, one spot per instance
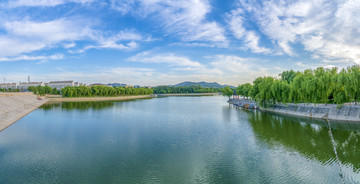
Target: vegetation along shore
(319, 93)
(319, 85)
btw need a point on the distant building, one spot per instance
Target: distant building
(23, 86)
(61, 84)
(78, 84)
(6, 86)
(129, 86)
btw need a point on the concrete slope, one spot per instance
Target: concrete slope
(14, 106)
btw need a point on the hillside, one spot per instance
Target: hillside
(202, 84)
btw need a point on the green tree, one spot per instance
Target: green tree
(227, 91)
(288, 76)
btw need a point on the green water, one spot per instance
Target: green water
(175, 140)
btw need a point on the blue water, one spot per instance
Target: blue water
(175, 140)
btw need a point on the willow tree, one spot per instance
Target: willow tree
(254, 92)
(280, 91)
(354, 82)
(310, 86)
(244, 90)
(340, 94)
(288, 76)
(265, 94)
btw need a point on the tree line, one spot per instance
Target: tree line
(86, 91)
(42, 90)
(93, 91)
(320, 85)
(184, 89)
(9, 90)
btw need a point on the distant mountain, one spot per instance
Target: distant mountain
(116, 85)
(202, 84)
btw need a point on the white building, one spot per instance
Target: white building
(61, 84)
(9, 85)
(23, 86)
(79, 84)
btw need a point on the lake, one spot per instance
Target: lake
(175, 140)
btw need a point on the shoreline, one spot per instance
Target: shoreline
(121, 98)
(16, 105)
(90, 99)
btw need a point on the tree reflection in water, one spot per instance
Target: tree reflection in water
(310, 138)
(79, 105)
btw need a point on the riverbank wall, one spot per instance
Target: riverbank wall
(14, 106)
(347, 112)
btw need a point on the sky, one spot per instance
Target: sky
(161, 42)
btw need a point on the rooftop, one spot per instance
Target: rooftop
(69, 81)
(8, 83)
(30, 83)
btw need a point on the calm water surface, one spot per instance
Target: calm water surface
(175, 140)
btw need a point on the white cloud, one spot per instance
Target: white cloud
(249, 38)
(27, 36)
(51, 31)
(129, 75)
(236, 69)
(16, 46)
(186, 19)
(123, 40)
(26, 57)
(300, 64)
(110, 44)
(18, 3)
(164, 58)
(328, 29)
(252, 41)
(69, 45)
(124, 6)
(227, 69)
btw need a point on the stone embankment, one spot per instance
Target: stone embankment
(347, 112)
(320, 111)
(14, 106)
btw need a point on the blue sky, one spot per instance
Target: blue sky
(156, 42)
